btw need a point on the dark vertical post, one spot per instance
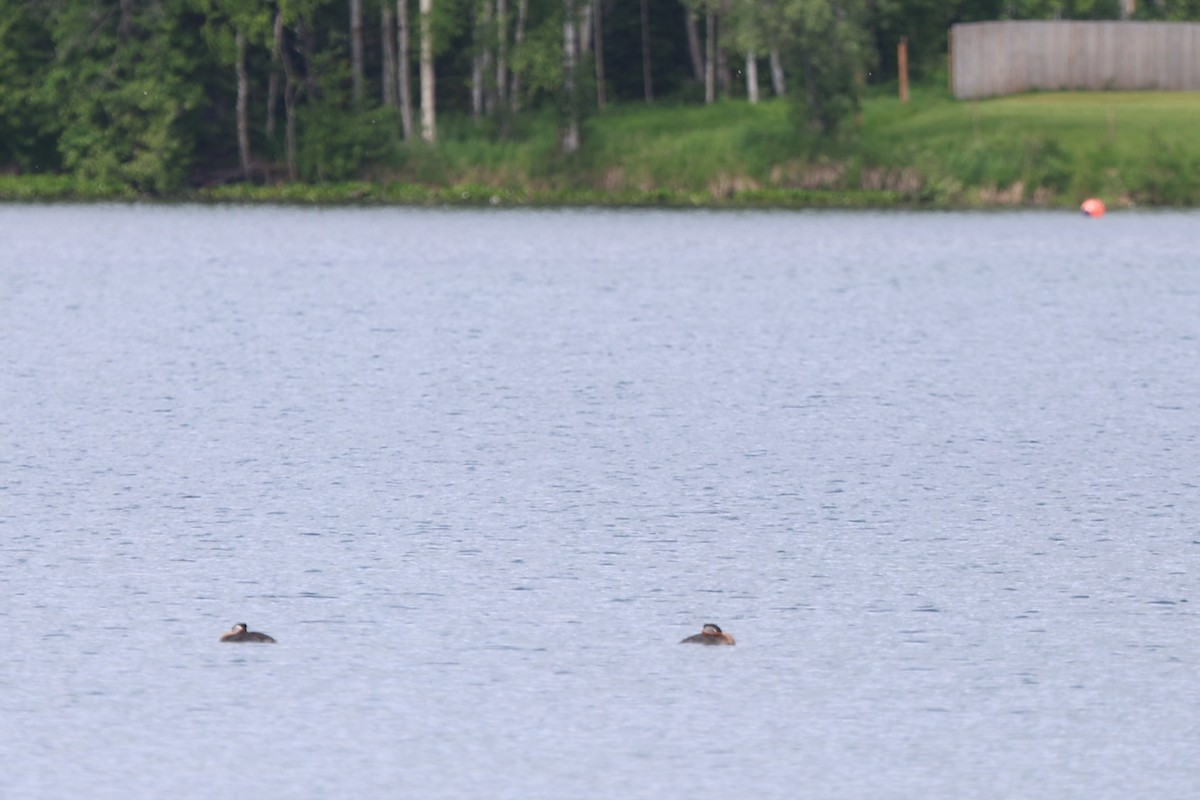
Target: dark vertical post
(647, 82)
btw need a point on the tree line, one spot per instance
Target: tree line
(157, 94)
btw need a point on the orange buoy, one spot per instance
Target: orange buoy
(1092, 207)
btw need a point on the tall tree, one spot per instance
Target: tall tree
(243, 104)
(693, 39)
(428, 77)
(598, 50)
(716, 70)
(777, 80)
(356, 49)
(514, 93)
(404, 67)
(502, 34)
(292, 86)
(752, 31)
(569, 135)
(647, 74)
(231, 27)
(123, 79)
(485, 34)
(389, 70)
(710, 56)
(28, 129)
(752, 76)
(828, 43)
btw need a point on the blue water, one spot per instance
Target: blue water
(480, 471)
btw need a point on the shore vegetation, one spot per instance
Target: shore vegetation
(1040, 150)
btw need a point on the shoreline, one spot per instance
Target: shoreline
(1048, 150)
(33, 190)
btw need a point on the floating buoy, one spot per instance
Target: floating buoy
(1092, 207)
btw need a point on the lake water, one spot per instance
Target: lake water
(480, 471)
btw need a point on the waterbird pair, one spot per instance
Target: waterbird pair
(709, 634)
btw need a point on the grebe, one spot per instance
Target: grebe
(240, 634)
(710, 634)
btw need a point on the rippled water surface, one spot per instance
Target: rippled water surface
(479, 472)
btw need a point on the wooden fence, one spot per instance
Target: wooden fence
(992, 58)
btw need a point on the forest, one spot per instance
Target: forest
(161, 95)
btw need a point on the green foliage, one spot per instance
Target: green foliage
(539, 60)
(1061, 9)
(338, 142)
(140, 96)
(1173, 173)
(828, 51)
(26, 122)
(121, 84)
(222, 18)
(1173, 11)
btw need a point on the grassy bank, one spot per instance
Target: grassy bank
(1050, 149)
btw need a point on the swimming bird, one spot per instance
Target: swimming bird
(240, 634)
(710, 634)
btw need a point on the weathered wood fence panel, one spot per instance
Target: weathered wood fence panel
(991, 58)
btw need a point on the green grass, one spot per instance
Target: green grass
(1041, 149)
(1127, 147)
(1050, 149)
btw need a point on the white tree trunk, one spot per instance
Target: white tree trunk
(482, 98)
(477, 66)
(777, 74)
(584, 29)
(501, 53)
(243, 100)
(403, 59)
(570, 132)
(752, 76)
(290, 89)
(428, 79)
(710, 59)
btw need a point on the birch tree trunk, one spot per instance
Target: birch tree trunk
(570, 131)
(752, 77)
(356, 49)
(477, 87)
(777, 83)
(243, 100)
(387, 23)
(403, 60)
(501, 54)
(428, 79)
(482, 62)
(290, 89)
(583, 29)
(710, 58)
